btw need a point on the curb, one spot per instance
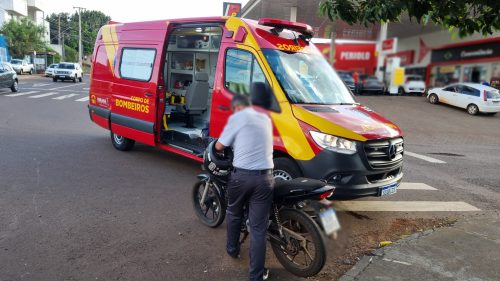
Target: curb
(365, 261)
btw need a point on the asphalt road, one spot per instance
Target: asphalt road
(74, 208)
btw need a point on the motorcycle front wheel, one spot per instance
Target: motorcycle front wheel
(304, 253)
(212, 210)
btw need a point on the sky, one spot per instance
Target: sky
(143, 10)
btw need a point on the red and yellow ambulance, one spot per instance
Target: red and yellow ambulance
(169, 84)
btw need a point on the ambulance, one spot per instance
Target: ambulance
(169, 84)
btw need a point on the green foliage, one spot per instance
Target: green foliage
(70, 54)
(23, 37)
(91, 22)
(467, 16)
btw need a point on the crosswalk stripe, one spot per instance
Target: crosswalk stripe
(21, 94)
(43, 95)
(56, 88)
(425, 158)
(41, 85)
(403, 206)
(65, 97)
(415, 186)
(83, 99)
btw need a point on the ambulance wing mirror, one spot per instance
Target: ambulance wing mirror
(262, 95)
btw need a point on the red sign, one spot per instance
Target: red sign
(388, 44)
(231, 8)
(352, 57)
(405, 56)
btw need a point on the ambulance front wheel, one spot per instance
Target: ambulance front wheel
(121, 143)
(285, 169)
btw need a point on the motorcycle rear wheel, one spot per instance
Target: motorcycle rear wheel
(313, 255)
(213, 211)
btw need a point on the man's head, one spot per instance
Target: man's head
(239, 102)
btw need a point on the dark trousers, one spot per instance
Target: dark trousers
(256, 191)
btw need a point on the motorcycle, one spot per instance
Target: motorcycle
(300, 219)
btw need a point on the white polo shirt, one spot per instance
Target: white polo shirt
(250, 133)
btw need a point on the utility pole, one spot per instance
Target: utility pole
(59, 29)
(80, 51)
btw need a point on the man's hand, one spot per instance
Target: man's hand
(219, 147)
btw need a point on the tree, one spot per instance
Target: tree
(23, 36)
(467, 16)
(91, 23)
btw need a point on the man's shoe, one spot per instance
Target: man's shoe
(234, 256)
(265, 276)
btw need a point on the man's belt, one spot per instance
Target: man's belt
(253, 172)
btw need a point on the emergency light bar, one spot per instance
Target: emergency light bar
(303, 28)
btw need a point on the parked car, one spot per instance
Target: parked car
(21, 66)
(68, 71)
(346, 77)
(370, 84)
(475, 98)
(8, 77)
(49, 72)
(414, 84)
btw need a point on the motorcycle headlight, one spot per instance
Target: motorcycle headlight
(334, 143)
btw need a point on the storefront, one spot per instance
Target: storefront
(473, 61)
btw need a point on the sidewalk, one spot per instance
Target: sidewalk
(468, 250)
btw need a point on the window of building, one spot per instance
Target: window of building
(447, 74)
(475, 73)
(242, 69)
(137, 64)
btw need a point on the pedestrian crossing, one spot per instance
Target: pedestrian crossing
(51, 95)
(391, 205)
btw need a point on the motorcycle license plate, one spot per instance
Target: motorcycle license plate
(389, 189)
(329, 221)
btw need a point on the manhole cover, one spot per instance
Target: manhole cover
(446, 154)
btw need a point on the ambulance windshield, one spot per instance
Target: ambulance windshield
(307, 78)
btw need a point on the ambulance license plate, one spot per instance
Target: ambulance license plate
(329, 221)
(389, 189)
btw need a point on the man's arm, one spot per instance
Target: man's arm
(219, 146)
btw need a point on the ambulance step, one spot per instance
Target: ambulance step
(189, 143)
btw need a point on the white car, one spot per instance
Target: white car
(475, 98)
(68, 71)
(49, 72)
(414, 84)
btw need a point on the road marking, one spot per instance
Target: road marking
(403, 206)
(41, 85)
(65, 97)
(43, 95)
(423, 157)
(72, 90)
(83, 99)
(22, 94)
(56, 88)
(396, 261)
(86, 88)
(415, 186)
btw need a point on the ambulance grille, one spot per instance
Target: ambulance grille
(384, 154)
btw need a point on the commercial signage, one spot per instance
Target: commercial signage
(231, 8)
(352, 57)
(405, 56)
(470, 52)
(389, 45)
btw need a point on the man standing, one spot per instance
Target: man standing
(251, 136)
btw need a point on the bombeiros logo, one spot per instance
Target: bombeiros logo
(93, 99)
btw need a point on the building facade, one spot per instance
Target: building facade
(33, 9)
(439, 56)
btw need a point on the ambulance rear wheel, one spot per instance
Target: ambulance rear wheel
(121, 143)
(285, 169)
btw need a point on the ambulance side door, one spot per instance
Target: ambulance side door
(134, 95)
(238, 69)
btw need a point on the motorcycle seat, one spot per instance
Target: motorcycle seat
(296, 186)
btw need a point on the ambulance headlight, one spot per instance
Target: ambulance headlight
(334, 143)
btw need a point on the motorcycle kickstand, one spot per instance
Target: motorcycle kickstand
(245, 235)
